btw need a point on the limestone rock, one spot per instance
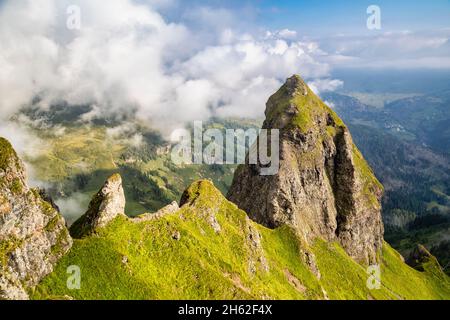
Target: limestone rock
(176, 236)
(105, 206)
(33, 235)
(324, 187)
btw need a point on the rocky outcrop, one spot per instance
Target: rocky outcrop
(169, 209)
(420, 256)
(257, 260)
(206, 199)
(104, 207)
(33, 235)
(324, 187)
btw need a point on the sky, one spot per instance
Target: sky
(171, 62)
(349, 16)
(327, 16)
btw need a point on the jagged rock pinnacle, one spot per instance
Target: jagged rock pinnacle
(105, 206)
(324, 187)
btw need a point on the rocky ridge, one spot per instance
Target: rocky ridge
(33, 234)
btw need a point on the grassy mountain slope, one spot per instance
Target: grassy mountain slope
(209, 249)
(428, 118)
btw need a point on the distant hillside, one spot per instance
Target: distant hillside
(427, 117)
(416, 206)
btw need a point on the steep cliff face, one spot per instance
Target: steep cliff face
(105, 206)
(324, 187)
(33, 235)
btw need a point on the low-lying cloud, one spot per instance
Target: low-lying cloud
(73, 207)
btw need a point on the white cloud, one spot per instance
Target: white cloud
(126, 133)
(404, 49)
(283, 34)
(287, 34)
(127, 57)
(73, 207)
(324, 85)
(23, 139)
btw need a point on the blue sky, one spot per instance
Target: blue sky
(350, 16)
(322, 17)
(327, 17)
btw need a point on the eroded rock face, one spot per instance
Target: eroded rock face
(324, 187)
(105, 206)
(33, 235)
(257, 259)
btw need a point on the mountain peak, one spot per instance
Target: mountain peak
(104, 207)
(201, 191)
(208, 240)
(324, 188)
(295, 105)
(295, 85)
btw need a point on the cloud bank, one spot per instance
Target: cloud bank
(390, 49)
(127, 57)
